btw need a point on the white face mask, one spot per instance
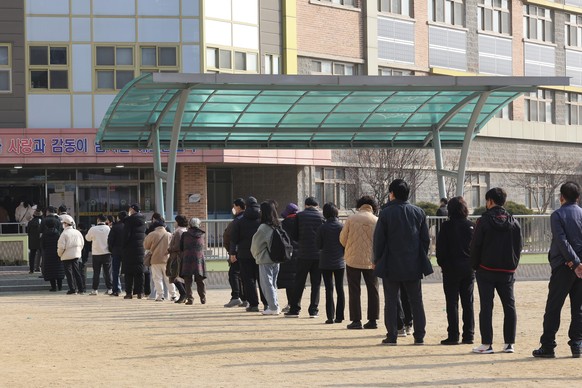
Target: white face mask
(233, 211)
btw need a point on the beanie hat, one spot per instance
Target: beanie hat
(67, 219)
(135, 207)
(311, 201)
(251, 200)
(290, 209)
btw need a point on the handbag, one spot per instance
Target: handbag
(147, 258)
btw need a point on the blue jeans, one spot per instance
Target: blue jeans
(115, 270)
(268, 278)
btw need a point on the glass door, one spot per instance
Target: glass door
(106, 199)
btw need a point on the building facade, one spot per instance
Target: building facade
(62, 62)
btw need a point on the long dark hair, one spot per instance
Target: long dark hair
(269, 214)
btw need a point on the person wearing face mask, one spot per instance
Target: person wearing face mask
(237, 297)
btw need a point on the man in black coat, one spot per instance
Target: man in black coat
(33, 231)
(115, 244)
(306, 224)
(134, 228)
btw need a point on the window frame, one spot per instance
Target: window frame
(273, 60)
(476, 182)
(448, 10)
(497, 13)
(338, 3)
(393, 72)
(542, 98)
(339, 185)
(531, 14)
(569, 26)
(333, 65)
(7, 67)
(115, 68)
(571, 105)
(386, 6)
(49, 68)
(220, 67)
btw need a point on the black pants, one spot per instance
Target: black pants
(391, 296)
(249, 272)
(83, 272)
(234, 279)
(354, 276)
(200, 286)
(334, 312)
(503, 282)
(563, 282)
(73, 275)
(181, 289)
(102, 261)
(56, 284)
(147, 280)
(455, 287)
(134, 280)
(404, 309)
(115, 271)
(305, 267)
(32, 259)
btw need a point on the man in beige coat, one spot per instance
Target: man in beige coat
(157, 242)
(357, 237)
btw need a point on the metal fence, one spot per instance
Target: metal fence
(535, 230)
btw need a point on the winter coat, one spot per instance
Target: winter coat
(70, 244)
(453, 247)
(261, 244)
(133, 235)
(33, 231)
(98, 235)
(357, 237)
(228, 231)
(566, 246)
(158, 242)
(288, 269)
(401, 242)
(175, 255)
(331, 254)
(243, 230)
(306, 225)
(23, 214)
(52, 267)
(115, 239)
(59, 226)
(497, 243)
(192, 248)
(442, 211)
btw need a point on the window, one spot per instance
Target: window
(398, 7)
(536, 194)
(351, 3)
(539, 106)
(272, 64)
(48, 66)
(224, 60)
(494, 16)
(155, 59)
(476, 187)
(331, 186)
(538, 23)
(334, 68)
(448, 11)
(5, 68)
(573, 30)
(393, 72)
(505, 112)
(114, 66)
(245, 61)
(574, 108)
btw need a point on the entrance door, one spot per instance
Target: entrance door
(106, 199)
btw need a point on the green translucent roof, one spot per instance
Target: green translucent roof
(283, 111)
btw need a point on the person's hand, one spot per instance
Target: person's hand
(233, 258)
(578, 271)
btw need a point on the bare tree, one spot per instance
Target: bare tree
(544, 175)
(374, 168)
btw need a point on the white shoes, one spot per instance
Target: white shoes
(408, 329)
(508, 348)
(402, 332)
(94, 292)
(483, 349)
(271, 312)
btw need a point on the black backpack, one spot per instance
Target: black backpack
(281, 247)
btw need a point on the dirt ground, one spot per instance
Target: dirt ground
(56, 340)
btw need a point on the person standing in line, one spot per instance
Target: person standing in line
(193, 261)
(260, 246)
(453, 256)
(288, 269)
(115, 246)
(24, 213)
(175, 259)
(237, 297)
(52, 270)
(332, 263)
(495, 253)
(63, 212)
(33, 231)
(401, 243)
(157, 242)
(69, 247)
(101, 256)
(566, 279)
(357, 237)
(148, 280)
(134, 228)
(443, 210)
(241, 238)
(306, 224)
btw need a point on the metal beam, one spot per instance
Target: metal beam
(438, 155)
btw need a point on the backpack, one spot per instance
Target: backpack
(281, 247)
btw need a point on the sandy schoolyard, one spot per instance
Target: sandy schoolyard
(58, 340)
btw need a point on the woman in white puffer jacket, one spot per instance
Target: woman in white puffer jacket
(69, 249)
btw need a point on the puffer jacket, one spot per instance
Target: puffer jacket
(306, 224)
(242, 232)
(331, 254)
(70, 244)
(357, 237)
(157, 242)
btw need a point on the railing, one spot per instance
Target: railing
(12, 228)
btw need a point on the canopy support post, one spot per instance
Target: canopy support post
(438, 155)
(158, 173)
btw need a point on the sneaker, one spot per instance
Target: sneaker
(271, 312)
(190, 301)
(291, 314)
(252, 309)
(576, 351)
(408, 329)
(71, 292)
(419, 342)
(544, 353)
(244, 304)
(109, 292)
(371, 325)
(449, 341)
(94, 292)
(140, 296)
(329, 322)
(508, 348)
(388, 342)
(313, 315)
(355, 325)
(286, 309)
(234, 303)
(128, 296)
(483, 349)
(159, 300)
(402, 332)
(114, 294)
(467, 341)
(180, 300)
